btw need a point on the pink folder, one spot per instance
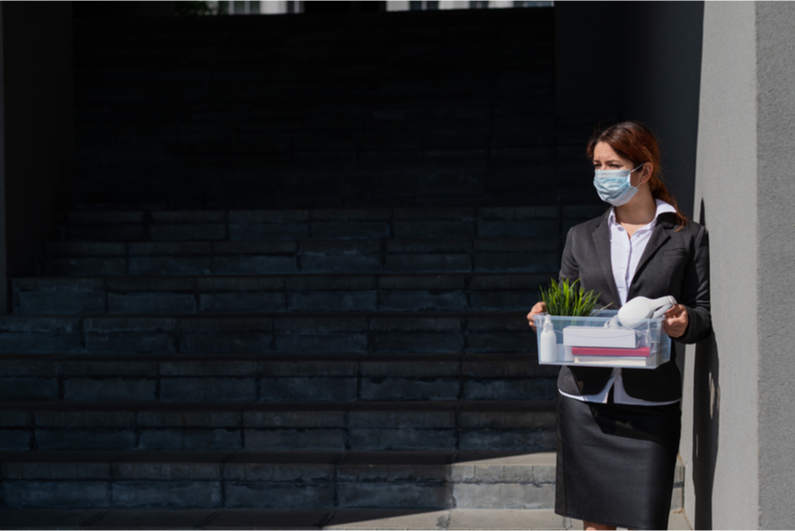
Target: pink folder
(644, 352)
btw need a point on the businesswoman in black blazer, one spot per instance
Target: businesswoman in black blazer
(618, 429)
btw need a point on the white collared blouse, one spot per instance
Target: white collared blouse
(625, 253)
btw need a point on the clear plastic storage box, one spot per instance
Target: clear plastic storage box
(600, 341)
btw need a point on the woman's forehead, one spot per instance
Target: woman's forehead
(603, 151)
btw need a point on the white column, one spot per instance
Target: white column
(273, 7)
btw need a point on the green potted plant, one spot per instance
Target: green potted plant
(568, 299)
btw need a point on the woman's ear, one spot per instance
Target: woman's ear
(645, 173)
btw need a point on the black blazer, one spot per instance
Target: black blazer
(674, 263)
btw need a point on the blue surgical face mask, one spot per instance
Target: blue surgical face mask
(614, 186)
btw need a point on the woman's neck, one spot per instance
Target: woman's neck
(639, 211)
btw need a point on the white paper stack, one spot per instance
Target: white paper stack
(591, 336)
(624, 361)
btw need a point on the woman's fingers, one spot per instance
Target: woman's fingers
(531, 319)
(539, 307)
(676, 321)
(675, 310)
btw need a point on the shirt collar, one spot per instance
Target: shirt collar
(662, 208)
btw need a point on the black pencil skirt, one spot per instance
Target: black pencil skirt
(615, 463)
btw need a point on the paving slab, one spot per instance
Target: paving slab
(679, 520)
(451, 519)
(508, 519)
(46, 519)
(149, 519)
(249, 519)
(386, 519)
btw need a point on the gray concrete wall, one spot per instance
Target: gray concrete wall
(720, 439)
(775, 283)
(39, 124)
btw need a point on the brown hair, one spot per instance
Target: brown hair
(634, 141)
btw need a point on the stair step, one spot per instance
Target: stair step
(375, 426)
(403, 377)
(276, 293)
(281, 480)
(291, 257)
(286, 519)
(521, 519)
(517, 178)
(236, 225)
(263, 334)
(383, 481)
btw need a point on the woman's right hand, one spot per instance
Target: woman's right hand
(540, 307)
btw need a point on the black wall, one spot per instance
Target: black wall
(664, 85)
(634, 61)
(38, 122)
(109, 9)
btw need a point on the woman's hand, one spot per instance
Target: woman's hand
(675, 322)
(540, 307)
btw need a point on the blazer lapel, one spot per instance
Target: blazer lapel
(601, 240)
(659, 236)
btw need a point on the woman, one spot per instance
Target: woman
(618, 429)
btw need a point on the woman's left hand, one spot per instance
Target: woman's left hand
(675, 322)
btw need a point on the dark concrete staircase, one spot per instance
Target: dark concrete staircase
(321, 379)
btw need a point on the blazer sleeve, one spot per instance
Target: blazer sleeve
(568, 265)
(695, 291)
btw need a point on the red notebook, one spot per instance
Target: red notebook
(644, 352)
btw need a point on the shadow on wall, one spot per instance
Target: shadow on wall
(706, 421)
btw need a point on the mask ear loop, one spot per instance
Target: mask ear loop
(642, 164)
